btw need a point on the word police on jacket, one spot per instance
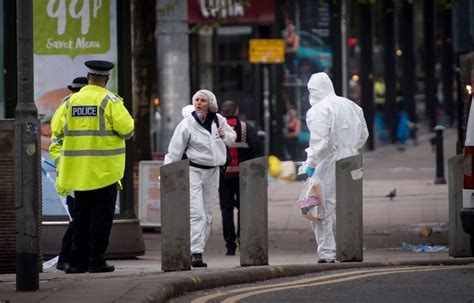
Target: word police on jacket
(84, 111)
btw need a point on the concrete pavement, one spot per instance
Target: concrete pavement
(387, 224)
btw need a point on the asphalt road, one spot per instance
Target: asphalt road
(408, 284)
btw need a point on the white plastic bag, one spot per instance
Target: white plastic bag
(311, 199)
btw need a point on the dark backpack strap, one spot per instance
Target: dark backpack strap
(228, 156)
(243, 132)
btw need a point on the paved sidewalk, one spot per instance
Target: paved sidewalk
(387, 224)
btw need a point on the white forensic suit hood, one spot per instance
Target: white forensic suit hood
(319, 87)
(338, 129)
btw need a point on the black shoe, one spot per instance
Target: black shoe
(230, 252)
(196, 261)
(106, 267)
(325, 261)
(62, 265)
(74, 270)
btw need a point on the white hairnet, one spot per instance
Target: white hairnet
(211, 98)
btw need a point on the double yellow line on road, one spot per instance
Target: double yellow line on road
(235, 295)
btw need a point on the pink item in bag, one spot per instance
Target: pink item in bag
(309, 201)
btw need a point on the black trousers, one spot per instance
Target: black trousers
(229, 199)
(293, 148)
(66, 244)
(94, 210)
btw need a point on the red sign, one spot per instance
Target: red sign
(231, 11)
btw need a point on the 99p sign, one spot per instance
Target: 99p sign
(71, 27)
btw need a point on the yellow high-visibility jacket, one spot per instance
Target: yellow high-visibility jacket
(379, 89)
(56, 143)
(94, 129)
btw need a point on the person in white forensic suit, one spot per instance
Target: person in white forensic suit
(337, 130)
(201, 137)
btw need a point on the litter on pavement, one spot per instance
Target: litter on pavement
(423, 247)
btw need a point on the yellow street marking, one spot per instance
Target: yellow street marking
(245, 295)
(298, 282)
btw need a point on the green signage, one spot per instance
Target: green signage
(71, 27)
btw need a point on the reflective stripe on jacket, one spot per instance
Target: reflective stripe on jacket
(56, 143)
(94, 129)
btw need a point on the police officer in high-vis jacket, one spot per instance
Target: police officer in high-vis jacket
(55, 148)
(92, 163)
(56, 143)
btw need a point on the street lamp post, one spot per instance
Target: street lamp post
(366, 68)
(27, 158)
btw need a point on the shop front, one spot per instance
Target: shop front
(310, 40)
(65, 35)
(219, 48)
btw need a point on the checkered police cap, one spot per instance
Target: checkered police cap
(99, 68)
(77, 84)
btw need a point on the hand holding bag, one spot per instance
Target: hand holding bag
(311, 199)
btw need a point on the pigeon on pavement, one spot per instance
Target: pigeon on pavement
(392, 194)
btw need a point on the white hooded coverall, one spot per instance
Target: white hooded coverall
(203, 148)
(338, 128)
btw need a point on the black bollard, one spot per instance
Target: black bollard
(439, 155)
(414, 132)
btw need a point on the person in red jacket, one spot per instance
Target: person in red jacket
(245, 147)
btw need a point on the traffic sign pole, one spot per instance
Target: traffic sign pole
(266, 51)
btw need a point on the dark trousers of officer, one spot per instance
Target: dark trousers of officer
(94, 211)
(229, 198)
(66, 244)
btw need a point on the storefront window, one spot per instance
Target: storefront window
(307, 51)
(205, 58)
(224, 67)
(220, 53)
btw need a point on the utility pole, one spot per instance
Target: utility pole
(366, 68)
(144, 66)
(27, 160)
(390, 77)
(343, 28)
(429, 61)
(407, 43)
(266, 109)
(172, 57)
(339, 46)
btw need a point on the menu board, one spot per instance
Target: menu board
(149, 199)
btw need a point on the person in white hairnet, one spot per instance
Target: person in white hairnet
(337, 129)
(202, 137)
